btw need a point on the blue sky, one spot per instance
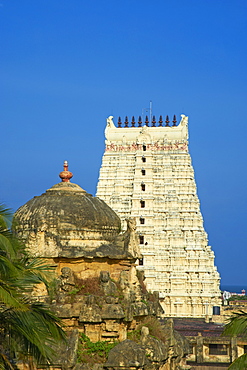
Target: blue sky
(67, 65)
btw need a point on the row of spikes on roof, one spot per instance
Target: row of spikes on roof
(153, 123)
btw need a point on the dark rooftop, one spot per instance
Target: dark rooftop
(191, 327)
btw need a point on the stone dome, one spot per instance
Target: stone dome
(65, 220)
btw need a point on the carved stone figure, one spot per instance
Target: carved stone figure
(67, 352)
(155, 306)
(124, 285)
(109, 121)
(66, 280)
(184, 120)
(133, 242)
(90, 311)
(131, 224)
(130, 285)
(155, 348)
(112, 311)
(108, 286)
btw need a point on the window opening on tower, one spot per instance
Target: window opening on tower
(143, 172)
(143, 186)
(142, 220)
(144, 148)
(142, 203)
(143, 159)
(141, 238)
(140, 261)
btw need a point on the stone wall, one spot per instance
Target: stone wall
(110, 312)
(84, 268)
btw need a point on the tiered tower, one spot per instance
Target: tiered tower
(147, 174)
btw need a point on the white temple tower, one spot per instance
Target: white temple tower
(147, 174)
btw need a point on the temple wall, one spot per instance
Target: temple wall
(85, 268)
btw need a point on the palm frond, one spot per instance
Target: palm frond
(237, 324)
(8, 299)
(240, 363)
(8, 269)
(50, 320)
(6, 215)
(7, 246)
(5, 363)
(28, 330)
(33, 272)
(34, 332)
(40, 269)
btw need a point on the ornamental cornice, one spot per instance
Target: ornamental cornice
(182, 146)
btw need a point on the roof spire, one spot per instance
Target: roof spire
(146, 121)
(174, 120)
(65, 165)
(65, 175)
(153, 121)
(139, 121)
(133, 122)
(167, 121)
(160, 121)
(119, 122)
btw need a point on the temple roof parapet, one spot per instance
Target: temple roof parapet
(152, 132)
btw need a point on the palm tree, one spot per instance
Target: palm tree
(29, 330)
(237, 326)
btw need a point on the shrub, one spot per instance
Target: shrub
(134, 335)
(89, 352)
(154, 326)
(90, 285)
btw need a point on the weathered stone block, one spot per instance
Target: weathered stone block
(127, 354)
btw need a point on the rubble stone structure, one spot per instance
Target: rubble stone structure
(147, 174)
(97, 291)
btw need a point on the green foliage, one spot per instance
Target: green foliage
(238, 298)
(134, 335)
(74, 291)
(52, 289)
(28, 329)
(239, 364)
(5, 218)
(93, 352)
(237, 325)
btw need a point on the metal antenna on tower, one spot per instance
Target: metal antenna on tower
(148, 109)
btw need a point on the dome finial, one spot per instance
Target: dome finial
(65, 175)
